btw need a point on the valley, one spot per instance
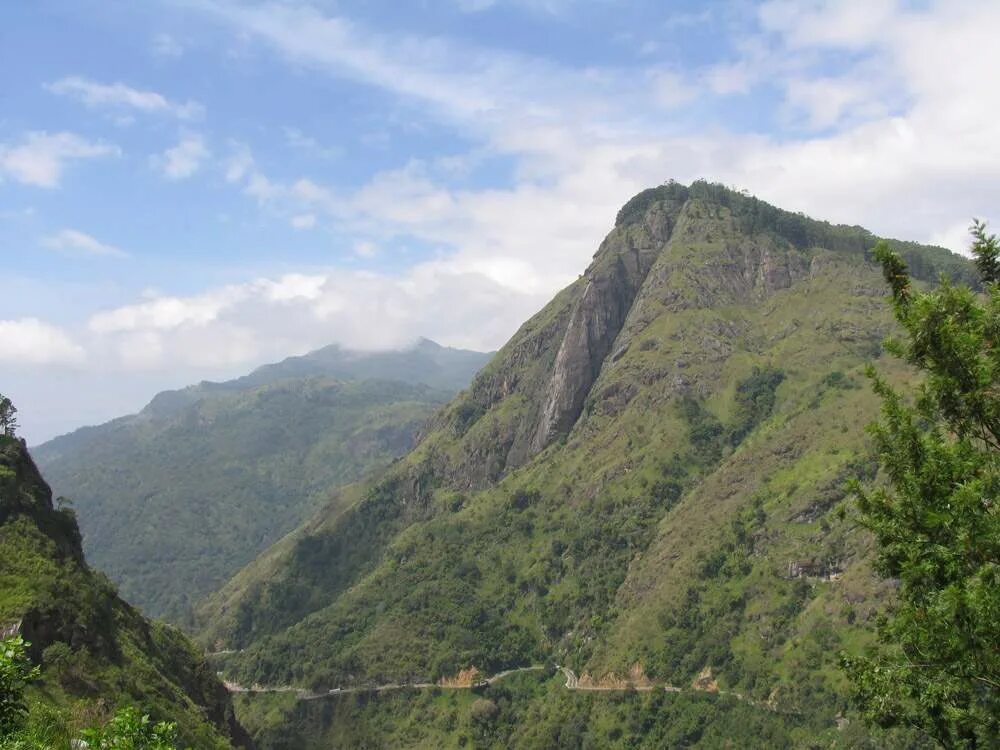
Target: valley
(646, 489)
(499, 375)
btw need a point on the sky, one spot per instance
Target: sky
(191, 188)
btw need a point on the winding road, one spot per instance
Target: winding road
(572, 683)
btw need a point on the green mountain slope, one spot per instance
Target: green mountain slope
(174, 500)
(644, 481)
(96, 651)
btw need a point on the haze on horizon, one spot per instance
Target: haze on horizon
(191, 188)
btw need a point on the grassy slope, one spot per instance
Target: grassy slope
(640, 537)
(171, 506)
(97, 652)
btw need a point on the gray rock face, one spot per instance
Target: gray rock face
(612, 283)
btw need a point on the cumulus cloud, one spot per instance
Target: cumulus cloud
(906, 125)
(584, 141)
(902, 141)
(184, 159)
(40, 158)
(269, 318)
(29, 341)
(76, 242)
(163, 313)
(118, 96)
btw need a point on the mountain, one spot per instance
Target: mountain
(97, 652)
(424, 363)
(643, 486)
(175, 499)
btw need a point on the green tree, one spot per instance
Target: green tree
(16, 671)
(8, 417)
(132, 730)
(935, 519)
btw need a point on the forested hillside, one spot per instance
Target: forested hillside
(646, 484)
(97, 653)
(174, 500)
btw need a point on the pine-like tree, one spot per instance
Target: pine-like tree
(935, 518)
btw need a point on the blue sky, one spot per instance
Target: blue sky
(190, 188)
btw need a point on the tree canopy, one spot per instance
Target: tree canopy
(935, 520)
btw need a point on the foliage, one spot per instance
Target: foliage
(16, 671)
(936, 522)
(130, 729)
(986, 251)
(754, 401)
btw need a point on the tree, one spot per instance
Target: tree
(935, 519)
(8, 416)
(16, 671)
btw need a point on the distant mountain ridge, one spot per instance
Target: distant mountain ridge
(424, 363)
(176, 498)
(645, 480)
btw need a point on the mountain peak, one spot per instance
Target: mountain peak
(580, 499)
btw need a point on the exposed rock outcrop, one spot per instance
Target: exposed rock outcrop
(612, 283)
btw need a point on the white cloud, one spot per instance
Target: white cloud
(485, 89)
(304, 221)
(580, 142)
(40, 158)
(163, 313)
(365, 249)
(826, 101)
(79, 243)
(119, 96)
(184, 159)
(849, 24)
(29, 341)
(239, 326)
(905, 126)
